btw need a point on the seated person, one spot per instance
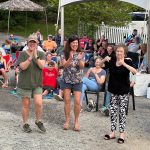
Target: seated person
(49, 45)
(39, 37)
(59, 96)
(48, 59)
(6, 46)
(13, 43)
(142, 52)
(93, 79)
(3, 51)
(49, 78)
(3, 69)
(131, 38)
(88, 50)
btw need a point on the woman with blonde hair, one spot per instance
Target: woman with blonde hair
(93, 79)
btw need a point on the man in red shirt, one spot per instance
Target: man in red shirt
(84, 40)
(49, 78)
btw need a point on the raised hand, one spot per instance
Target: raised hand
(80, 55)
(107, 58)
(121, 62)
(71, 55)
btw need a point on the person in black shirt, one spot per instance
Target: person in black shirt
(119, 85)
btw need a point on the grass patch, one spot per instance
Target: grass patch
(30, 28)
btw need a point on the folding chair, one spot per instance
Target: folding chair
(133, 99)
(97, 95)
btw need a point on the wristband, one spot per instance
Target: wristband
(29, 59)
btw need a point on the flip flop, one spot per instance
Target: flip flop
(120, 141)
(107, 137)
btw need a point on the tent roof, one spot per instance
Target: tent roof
(141, 3)
(20, 5)
(65, 2)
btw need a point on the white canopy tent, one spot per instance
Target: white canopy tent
(141, 3)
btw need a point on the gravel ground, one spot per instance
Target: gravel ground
(94, 126)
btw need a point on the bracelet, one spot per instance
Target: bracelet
(29, 59)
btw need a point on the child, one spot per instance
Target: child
(49, 78)
(59, 78)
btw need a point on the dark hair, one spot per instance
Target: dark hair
(51, 63)
(60, 67)
(112, 46)
(48, 53)
(68, 47)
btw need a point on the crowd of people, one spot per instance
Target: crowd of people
(44, 66)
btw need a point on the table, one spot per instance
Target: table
(142, 81)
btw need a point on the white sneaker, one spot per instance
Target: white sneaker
(58, 97)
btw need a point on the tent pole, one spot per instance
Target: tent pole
(26, 23)
(8, 22)
(58, 17)
(46, 22)
(148, 42)
(62, 25)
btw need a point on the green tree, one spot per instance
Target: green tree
(90, 15)
(79, 17)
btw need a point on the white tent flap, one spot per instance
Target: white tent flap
(141, 3)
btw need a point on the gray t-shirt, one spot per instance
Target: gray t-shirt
(93, 78)
(32, 76)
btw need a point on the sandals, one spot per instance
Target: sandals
(120, 140)
(107, 137)
(66, 126)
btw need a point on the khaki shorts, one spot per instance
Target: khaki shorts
(29, 93)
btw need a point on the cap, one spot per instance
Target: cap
(50, 35)
(33, 37)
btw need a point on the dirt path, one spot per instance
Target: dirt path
(93, 127)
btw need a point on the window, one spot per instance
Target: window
(139, 16)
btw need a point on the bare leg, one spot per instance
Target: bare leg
(25, 109)
(5, 77)
(45, 92)
(67, 94)
(77, 109)
(38, 103)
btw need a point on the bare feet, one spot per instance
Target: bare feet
(66, 126)
(76, 127)
(5, 85)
